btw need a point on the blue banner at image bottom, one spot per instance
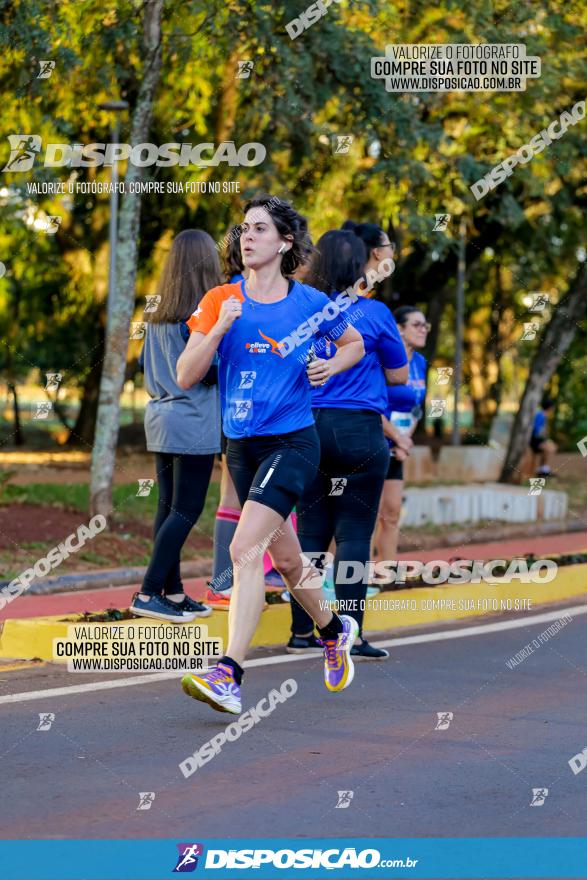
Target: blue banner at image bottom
(273, 859)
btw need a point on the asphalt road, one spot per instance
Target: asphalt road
(512, 730)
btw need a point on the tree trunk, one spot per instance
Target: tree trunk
(112, 381)
(556, 339)
(18, 436)
(82, 433)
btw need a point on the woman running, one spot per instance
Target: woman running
(343, 499)
(182, 426)
(404, 412)
(262, 329)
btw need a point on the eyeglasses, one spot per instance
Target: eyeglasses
(419, 325)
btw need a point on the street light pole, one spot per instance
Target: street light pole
(116, 107)
(460, 315)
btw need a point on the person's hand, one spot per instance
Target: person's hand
(319, 372)
(399, 453)
(231, 309)
(405, 442)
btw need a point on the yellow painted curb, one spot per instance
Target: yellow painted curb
(33, 637)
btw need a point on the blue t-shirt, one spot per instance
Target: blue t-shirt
(264, 388)
(364, 385)
(538, 428)
(404, 399)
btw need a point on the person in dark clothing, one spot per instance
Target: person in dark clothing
(182, 426)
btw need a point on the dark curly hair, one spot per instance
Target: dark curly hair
(288, 223)
(232, 259)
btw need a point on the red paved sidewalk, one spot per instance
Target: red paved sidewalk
(120, 597)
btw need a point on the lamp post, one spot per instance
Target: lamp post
(115, 107)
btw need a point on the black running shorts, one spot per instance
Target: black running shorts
(395, 470)
(274, 470)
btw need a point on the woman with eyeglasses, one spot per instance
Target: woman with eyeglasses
(377, 245)
(406, 403)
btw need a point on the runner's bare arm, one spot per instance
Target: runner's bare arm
(399, 376)
(401, 439)
(194, 362)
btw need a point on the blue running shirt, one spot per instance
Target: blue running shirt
(403, 399)
(264, 388)
(364, 385)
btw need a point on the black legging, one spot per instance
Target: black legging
(352, 447)
(183, 483)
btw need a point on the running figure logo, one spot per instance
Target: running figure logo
(242, 408)
(441, 222)
(188, 857)
(443, 375)
(338, 485)
(145, 487)
(539, 302)
(46, 719)
(247, 378)
(344, 800)
(152, 302)
(530, 331)
(146, 799)
(444, 719)
(44, 408)
(245, 69)
(23, 149)
(537, 484)
(46, 69)
(539, 795)
(342, 143)
(137, 329)
(53, 381)
(53, 224)
(314, 567)
(437, 408)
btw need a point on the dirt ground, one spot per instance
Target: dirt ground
(27, 531)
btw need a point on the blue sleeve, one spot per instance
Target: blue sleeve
(142, 359)
(390, 346)
(401, 398)
(185, 331)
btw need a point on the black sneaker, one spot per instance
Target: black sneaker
(193, 607)
(368, 652)
(304, 645)
(160, 608)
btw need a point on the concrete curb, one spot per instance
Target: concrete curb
(111, 577)
(33, 637)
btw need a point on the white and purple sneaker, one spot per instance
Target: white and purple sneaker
(339, 670)
(216, 687)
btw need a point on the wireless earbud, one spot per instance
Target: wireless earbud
(281, 249)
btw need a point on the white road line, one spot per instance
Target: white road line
(439, 636)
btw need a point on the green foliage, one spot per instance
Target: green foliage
(300, 95)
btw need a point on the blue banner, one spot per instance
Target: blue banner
(270, 859)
